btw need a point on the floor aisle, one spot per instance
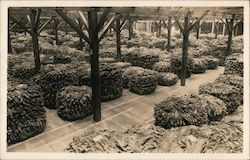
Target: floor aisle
(117, 115)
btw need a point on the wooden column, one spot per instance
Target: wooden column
(159, 28)
(56, 22)
(198, 30)
(212, 30)
(223, 29)
(130, 29)
(230, 26)
(118, 37)
(80, 24)
(95, 73)
(185, 30)
(9, 40)
(184, 51)
(169, 27)
(216, 29)
(35, 16)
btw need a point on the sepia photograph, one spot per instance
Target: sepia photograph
(153, 80)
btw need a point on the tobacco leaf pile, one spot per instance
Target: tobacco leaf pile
(176, 63)
(217, 137)
(167, 79)
(74, 102)
(234, 64)
(139, 80)
(54, 78)
(233, 80)
(176, 111)
(24, 70)
(199, 65)
(26, 115)
(141, 57)
(211, 62)
(229, 94)
(111, 81)
(162, 66)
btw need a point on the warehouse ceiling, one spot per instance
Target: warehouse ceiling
(142, 13)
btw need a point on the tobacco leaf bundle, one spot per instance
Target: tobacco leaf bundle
(229, 94)
(140, 81)
(215, 107)
(54, 78)
(26, 115)
(176, 63)
(141, 57)
(199, 65)
(167, 79)
(24, 70)
(233, 80)
(211, 62)
(74, 102)
(234, 64)
(111, 81)
(162, 66)
(176, 111)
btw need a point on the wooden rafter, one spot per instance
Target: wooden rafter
(72, 24)
(21, 25)
(103, 19)
(84, 19)
(44, 25)
(107, 27)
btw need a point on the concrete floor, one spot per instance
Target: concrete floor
(116, 115)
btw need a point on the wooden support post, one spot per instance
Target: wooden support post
(130, 29)
(169, 27)
(212, 30)
(35, 16)
(159, 28)
(184, 51)
(9, 40)
(56, 22)
(216, 29)
(223, 29)
(80, 25)
(198, 30)
(118, 37)
(230, 26)
(185, 32)
(95, 73)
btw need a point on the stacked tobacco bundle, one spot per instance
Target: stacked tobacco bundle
(233, 80)
(139, 80)
(229, 94)
(211, 62)
(53, 79)
(141, 57)
(177, 111)
(162, 66)
(74, 102)
(167, 79)
(176, 63)
(111, 81)
(26, 115)
(129, 74)
(234, 64)
(24, 70)
(108, 52)
(199, 65)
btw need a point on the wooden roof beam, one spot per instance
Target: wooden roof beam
(72, 24)
(21, 25)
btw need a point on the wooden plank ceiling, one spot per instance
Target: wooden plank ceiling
(141, 13)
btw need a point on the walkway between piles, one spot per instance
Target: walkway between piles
(118, 114)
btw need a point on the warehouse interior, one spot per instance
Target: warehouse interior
(125, 79)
